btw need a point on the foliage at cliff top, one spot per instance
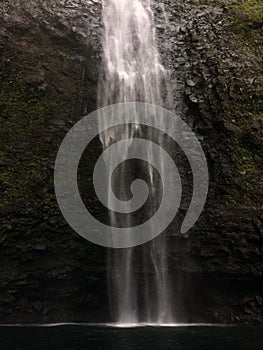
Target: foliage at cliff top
(249, 23)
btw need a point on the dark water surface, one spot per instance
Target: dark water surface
(81, 337)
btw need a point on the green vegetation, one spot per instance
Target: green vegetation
(244, 108)
(248, 24)
(42, 92)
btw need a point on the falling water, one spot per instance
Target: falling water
(133, 72)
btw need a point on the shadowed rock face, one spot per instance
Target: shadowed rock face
(50, 57)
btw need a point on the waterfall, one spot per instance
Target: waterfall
(132, 71)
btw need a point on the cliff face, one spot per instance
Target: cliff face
(223, 97)
(48, 81)
(50, 58)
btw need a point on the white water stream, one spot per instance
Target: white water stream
(139, 285)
